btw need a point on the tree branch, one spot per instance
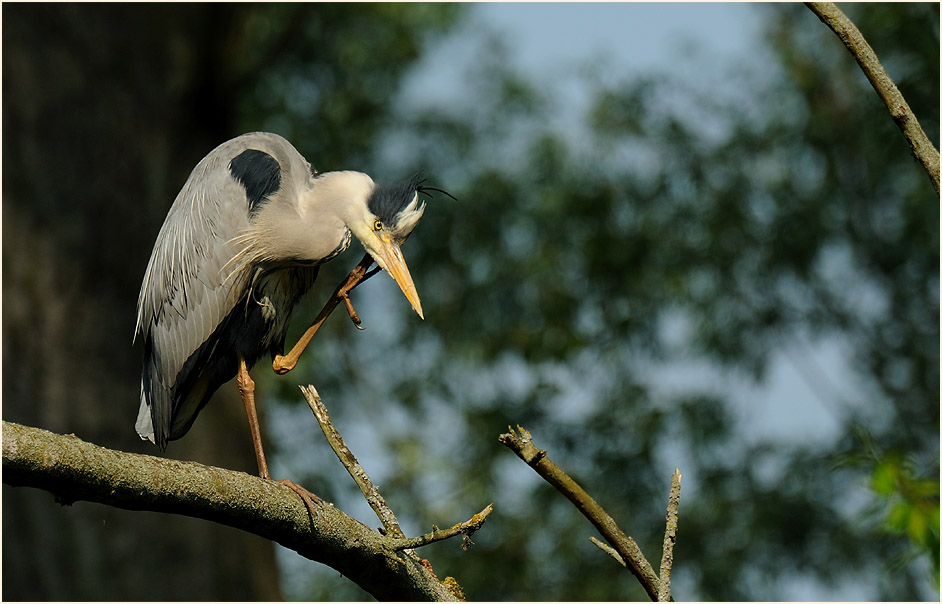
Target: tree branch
(899, 109)
(670, 537)
(624, 545)
(371, 493)
(73, 470)
(608, 549)
(349, 461)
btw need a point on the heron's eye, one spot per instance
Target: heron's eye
(377, 226)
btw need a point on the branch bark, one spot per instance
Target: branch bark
(73, 470)
(466, 528)
(921, 146)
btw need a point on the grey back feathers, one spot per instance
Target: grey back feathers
(197, 277)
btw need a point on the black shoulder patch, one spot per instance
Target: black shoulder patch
(259, 173)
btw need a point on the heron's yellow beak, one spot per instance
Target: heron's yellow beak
(395, 265)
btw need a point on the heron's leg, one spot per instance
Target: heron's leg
(282, 364)
(247, 390)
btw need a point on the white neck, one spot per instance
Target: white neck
(311, 222)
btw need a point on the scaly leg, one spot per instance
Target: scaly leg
(247, 390)
(282, 364)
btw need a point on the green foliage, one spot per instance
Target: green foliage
(911, 504)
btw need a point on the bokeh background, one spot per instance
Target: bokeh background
(686, 236)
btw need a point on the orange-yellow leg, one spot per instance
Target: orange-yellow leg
(282, 364)
(247, 390)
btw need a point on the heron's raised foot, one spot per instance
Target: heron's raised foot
(353, 313)
(282, 364)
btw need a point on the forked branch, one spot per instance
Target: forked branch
(349, 461)
(622, 544)
(371, 493)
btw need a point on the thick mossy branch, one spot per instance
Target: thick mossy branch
(73, 470)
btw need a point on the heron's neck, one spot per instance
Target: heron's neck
(339, 194)
(344, 196)
(312, 226)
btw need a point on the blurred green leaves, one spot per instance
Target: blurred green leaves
(911, 503)
(324, 76)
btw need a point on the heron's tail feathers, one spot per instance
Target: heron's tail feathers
(144, 424)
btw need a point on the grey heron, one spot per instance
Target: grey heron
(242, 242)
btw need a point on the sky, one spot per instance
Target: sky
(547, 39)
(638, 36)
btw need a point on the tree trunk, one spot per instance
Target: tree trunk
(106, 109)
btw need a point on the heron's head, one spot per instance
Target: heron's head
(393, 213)
(381, 217)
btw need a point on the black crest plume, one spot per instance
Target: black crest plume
(388, 200)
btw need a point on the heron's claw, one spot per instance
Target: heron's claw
(308, 497)
(350, 311)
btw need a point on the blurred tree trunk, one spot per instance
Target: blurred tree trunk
(106, 109)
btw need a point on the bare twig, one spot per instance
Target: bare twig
(349, 461)
(284, 363)
(608, 549)
(921, 146)
(670, 537)
(466, 528)
(74, 470)
(624, 545)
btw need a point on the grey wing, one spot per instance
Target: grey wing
(195, 277)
